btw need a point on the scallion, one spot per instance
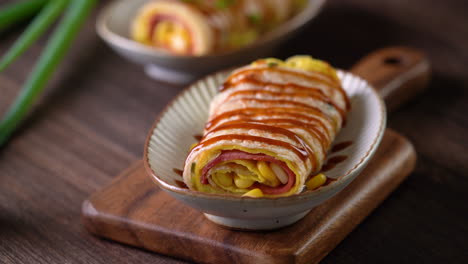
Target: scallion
(16, 12)
(56, 47)
(37, 27)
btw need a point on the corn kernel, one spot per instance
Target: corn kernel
(316, 181)
(267, 173)
(179, 40)
(255, 193)
(242, 183)
(308, 63)
(224, 179)
(162, 32)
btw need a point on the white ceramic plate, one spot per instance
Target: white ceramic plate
(173, 134)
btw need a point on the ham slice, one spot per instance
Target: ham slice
(241, 155)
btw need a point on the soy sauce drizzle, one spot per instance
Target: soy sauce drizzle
(301, 145)
(302, 153)
(342, 145)
(251, 112)
(249, 73)
(313, 93)
(328, 181)
(178, 171)
(181, 184)
(285, 123)
(333, 161)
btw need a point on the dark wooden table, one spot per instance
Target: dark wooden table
(93, 120)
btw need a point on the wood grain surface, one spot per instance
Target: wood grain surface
(132, 210)
(93, 120)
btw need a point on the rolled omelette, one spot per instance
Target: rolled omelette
(200, 27)
(269, 129)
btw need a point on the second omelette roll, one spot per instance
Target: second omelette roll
(269, 128)
(201, 27)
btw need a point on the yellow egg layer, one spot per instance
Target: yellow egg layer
(301, 62)
(238, 176)
(168, 34)
(172, 35)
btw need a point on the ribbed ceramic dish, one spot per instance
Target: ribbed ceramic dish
(173, 133)
(113, 26)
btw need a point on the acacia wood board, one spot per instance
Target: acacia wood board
(134, 211)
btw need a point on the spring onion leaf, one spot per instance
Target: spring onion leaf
(56, 48)
(192, 168)
(16, 12)
(224, 4)
(255, 18)
(37, 27)
(272, 64)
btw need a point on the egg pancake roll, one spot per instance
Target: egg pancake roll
(199, 27)
(269, 129)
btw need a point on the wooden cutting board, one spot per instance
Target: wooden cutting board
(134, 211)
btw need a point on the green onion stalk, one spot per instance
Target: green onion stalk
(37, 27)
(17, 12)
(75, 15)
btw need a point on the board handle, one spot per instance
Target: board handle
(397, 73)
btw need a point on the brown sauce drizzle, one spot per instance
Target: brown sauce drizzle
(251, 113)
(333, 161)
(249, 73)
(267, 128)
(312, 126)
(270, 129)
(342, 145)
(280, 101)
(285, 123)
(295, 105)
(289, 86)
(198, 137)
(295, 87)
(181, 184)
(328, 181)
(178, 171)
(311, 129)
(300, 152)
(315, 95)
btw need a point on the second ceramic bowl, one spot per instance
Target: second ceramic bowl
(113, 26)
